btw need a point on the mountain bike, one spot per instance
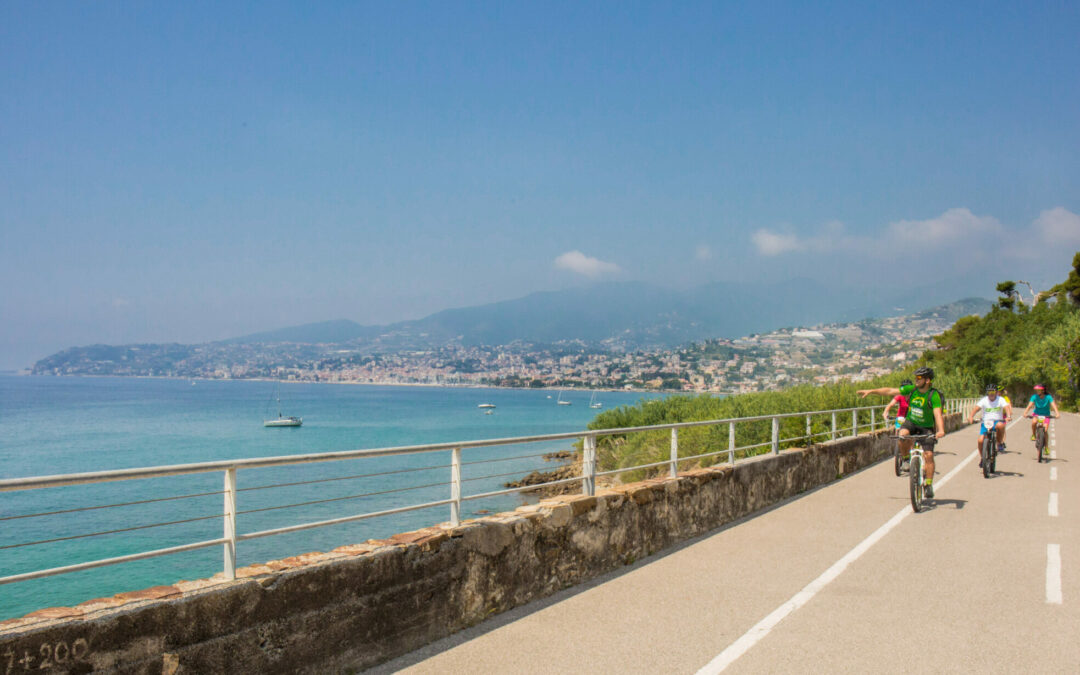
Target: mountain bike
(917, 479)
(989, 451)
(1041, 437)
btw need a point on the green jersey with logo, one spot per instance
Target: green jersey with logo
(921, 405)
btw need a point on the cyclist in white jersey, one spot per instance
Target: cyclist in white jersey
(996, 412)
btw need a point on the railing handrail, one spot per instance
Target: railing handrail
(588, 478)
(59, 480)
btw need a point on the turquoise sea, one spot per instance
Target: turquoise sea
(54, 425)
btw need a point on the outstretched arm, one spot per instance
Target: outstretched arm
(880, 391)
(939, 422)
(1028, 409)
(1053, 406)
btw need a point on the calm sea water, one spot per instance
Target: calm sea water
(69, 425)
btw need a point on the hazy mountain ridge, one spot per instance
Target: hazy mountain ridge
(629, 315)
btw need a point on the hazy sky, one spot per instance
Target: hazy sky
(194, 171)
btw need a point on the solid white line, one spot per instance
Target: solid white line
(1053, 574)
(1053, 473)
(762, 628)
(1052, 506)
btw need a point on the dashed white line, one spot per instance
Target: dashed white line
(1052, 506)
(1053, 574)
(763, 627)
(1053, 473)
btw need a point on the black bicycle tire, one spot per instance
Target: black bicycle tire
(915, 484)
(1040, 441)
(898, 460)
(985, 452)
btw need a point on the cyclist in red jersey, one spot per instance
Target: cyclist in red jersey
(901, 403)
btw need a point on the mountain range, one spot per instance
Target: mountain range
(626, 315)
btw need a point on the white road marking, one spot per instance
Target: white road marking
(763, 627)
(1053, 574)
(1052, 506)
(1053, 473)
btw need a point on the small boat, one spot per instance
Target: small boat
(486, 405)
(559, 401)
(282, 420)
(593, 403)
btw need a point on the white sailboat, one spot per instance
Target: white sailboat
(282, 420)
(593, 403)
(559, 400)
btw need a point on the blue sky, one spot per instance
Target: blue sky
(194, 171)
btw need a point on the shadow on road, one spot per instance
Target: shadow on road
(935, 503)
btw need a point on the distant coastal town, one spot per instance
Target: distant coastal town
(774, 360)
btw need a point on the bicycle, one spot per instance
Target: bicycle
(898, 458)
(917, 479)
(989, 451)
(1041, 436)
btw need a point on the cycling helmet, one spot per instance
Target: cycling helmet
(928, 373)
(1039, 387)
(906, 383)
(991, 387)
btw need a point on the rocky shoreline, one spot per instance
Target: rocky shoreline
(570, 469)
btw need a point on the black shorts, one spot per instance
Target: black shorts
(920, 431)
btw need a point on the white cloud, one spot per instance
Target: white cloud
(953, 226)
(578, 262)
(1058, 227)
(770, 244)
(702, 252)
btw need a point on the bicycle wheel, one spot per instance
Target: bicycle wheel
(898, 459)
(915, 483)
(1040, 441)
(987, 448)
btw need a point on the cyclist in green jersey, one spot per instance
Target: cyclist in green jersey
(924, 416)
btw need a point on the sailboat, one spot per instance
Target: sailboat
(559, 400)
(593, 403)
(282, 420)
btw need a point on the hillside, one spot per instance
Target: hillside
(622, 316)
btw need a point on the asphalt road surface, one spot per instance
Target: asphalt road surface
(841, 579)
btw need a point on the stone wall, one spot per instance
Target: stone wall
(359, 605)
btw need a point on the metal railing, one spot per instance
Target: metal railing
(860, 418)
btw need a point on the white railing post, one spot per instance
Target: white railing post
(455, 487)
(731, 442)
(809, 434)
(588, 481)
(855, 422)
(230, 524)
(873, 419)
(776, 435)
(674, 453)
(832, 435)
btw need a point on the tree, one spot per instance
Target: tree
(1070, 288)
(1008, 295)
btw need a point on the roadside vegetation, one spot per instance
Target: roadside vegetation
(1015, 345)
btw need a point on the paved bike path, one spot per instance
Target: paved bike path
(983, 606)
(983, 541)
